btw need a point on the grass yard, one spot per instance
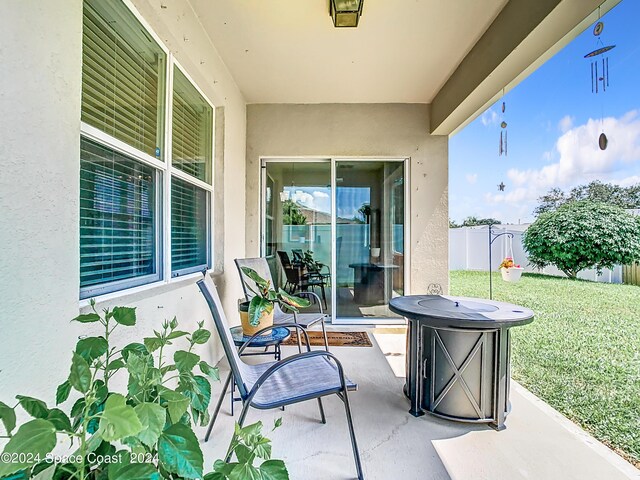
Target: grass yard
(581, 354)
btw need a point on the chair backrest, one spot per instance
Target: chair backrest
(238, 367)
(261, 266)
(298, 256)
(284, 258)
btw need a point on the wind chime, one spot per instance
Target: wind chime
(503, 148)
(600, 72)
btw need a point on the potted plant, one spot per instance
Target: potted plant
(510, 271)
(143, 431)
(257, 313)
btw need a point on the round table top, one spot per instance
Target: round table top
(460, 312)
(272, 337)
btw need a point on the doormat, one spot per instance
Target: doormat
(336, 339)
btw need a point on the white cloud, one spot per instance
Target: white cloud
(579, 160)
(303, 198)
(566, 123)
(472, 178)
(490, 117)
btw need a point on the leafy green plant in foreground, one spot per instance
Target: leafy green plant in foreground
(145, 433)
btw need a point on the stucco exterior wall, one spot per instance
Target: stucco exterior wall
(361, 130)
(40, 93)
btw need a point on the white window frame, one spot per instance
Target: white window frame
(165, 171)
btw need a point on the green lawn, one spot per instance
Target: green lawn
(581, 354)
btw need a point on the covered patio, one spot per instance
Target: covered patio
(121, 193)
(539, 443)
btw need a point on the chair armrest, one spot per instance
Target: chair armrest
(266, 329)
(306, 293)
(295, 358)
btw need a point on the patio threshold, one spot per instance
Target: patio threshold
(538, 443)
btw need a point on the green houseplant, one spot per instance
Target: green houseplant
(143, 433)
(258, 312)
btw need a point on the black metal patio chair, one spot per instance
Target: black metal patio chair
(305, 320)
(305, 376)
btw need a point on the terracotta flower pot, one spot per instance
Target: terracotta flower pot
(511, 274)
(266, 320)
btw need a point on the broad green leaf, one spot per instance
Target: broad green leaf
(198, 389)
(8, 417)
(87, 318)
(245, 471)
(115, 365)
(262, 447)
(59, 420)
(249, 431)
(223, 467)
(179, 451)
(257, 307)
(125, 316)
(62, 392)
(118, 419)
(80, 375)
(215, 476)
(253, 275)
(292, 300)
(185, 361)
(243, 454)
(176, 402)
(46, 474)
(91, 348)
(200, 336)
(153, 417)
(153, 343)
(37, 437)
(133, 471)
(101, 391)
(209, 371)
(274, 470)
(78, 407)
(138, 348)
(34, 407)
(177, 334)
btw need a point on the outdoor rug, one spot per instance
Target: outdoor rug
(336, 339)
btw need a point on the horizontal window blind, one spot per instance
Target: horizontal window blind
(191, 129)
(188, 227)
(117, 219)
(123, 72)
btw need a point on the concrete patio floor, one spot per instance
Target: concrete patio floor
(538, 442)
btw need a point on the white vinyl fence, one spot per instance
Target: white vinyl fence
(469, 250)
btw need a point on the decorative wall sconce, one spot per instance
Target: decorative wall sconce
(345, 13)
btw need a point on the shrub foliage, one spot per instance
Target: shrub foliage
(583, 234)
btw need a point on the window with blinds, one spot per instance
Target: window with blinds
(118, 204)
(189, 232)
(192, 129)
(123, 72)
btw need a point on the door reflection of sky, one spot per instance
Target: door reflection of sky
(348, 199)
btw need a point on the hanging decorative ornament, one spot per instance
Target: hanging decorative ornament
(501, 187)
(600, 71)
(503, 131)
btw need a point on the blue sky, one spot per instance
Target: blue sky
(553, 128)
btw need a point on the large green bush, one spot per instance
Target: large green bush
(584, 234)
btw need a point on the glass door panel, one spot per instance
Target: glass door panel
(297, 225)
(369, 238)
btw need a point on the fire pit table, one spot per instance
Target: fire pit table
(458, 356)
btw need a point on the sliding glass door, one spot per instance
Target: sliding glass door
(369, 237)
(340, 234)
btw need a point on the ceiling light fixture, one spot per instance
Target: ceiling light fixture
(345, 13)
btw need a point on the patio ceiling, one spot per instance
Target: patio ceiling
(455, 55)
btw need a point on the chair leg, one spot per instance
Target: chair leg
(354, 444)
(323, 419)
(324, 297)
(324, 334)
(217, 410)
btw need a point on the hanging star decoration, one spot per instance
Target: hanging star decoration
(600, 72)
(501, 187)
